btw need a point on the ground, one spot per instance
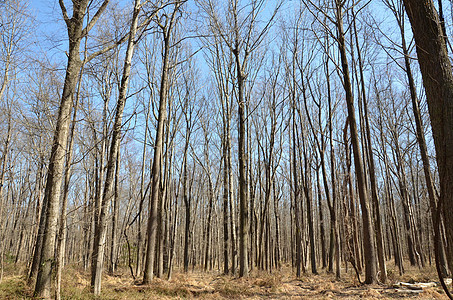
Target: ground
(200, 285)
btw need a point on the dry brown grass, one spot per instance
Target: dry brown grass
(280, 284)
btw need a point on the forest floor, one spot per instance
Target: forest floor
(260, 285)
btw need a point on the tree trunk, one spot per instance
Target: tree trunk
(243, 186)
(437, 77)
(3, 164)
(62, 231)
(186, 198)
(226, 192)
(296, 192)
(368, 233)
(158, 147)
(372, 171)
(97, 262)
(56, 162)
(115, 216)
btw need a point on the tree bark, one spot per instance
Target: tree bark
(56, 162)
(97, 259)
(368, 233)
(158, 147)
(62, 231)
(243, 186)
(76, 32)
(437, 77)
(372, 170)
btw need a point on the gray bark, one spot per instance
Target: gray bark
(97, 259)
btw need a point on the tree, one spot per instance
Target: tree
(370, 159)
(166, 25)
(78, 29)
(436, 70)
(368, 233)
(97, 262)
(242, 39)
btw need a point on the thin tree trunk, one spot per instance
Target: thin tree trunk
(372, 171)
(40, 219)
(186, 198)
(158, 147)
(4, 161)
(115, 216)
(142, 194)
(226, 193)
(97, 262)
(368, 234)
(298, 252)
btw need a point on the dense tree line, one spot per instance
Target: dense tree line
(226, 135)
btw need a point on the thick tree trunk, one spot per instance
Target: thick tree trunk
(75, 27)
(56, 162)
(243, 185)
(437, 77)
(62, 231)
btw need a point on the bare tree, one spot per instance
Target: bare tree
(368, 232)
(242, 40)
(78, 29)
(100, 226)
(437, 77)
(166, 24)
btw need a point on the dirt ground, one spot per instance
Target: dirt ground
(260, 285)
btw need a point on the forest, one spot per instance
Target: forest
(167, 149)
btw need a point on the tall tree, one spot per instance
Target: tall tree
(167, 25)
(436, 70)
(78, 28)
(368, 232)
(370, 160)
(100, 231)
(398, 11)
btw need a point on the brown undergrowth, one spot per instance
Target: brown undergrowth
(280, 284)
